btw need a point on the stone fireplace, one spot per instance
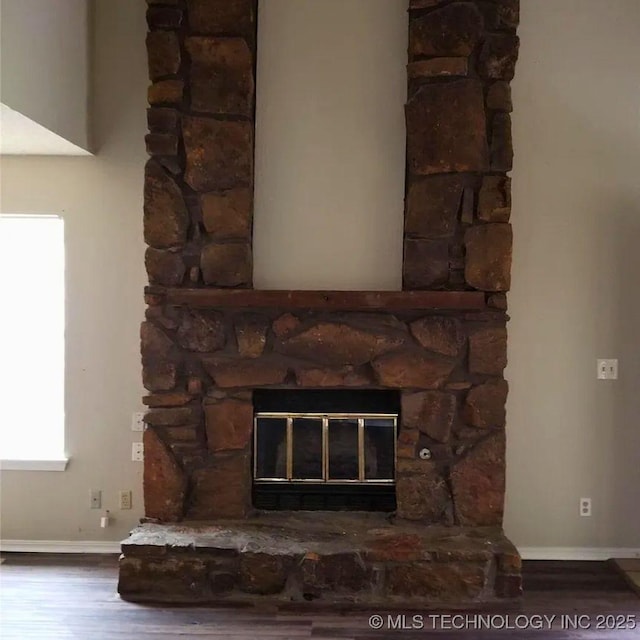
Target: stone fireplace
(339, 446)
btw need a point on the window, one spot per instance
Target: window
(32, 342)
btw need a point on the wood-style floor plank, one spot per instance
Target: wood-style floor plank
(71, 597)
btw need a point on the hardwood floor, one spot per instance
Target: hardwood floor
(70, 597)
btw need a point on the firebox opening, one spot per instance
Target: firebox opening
(325, 450)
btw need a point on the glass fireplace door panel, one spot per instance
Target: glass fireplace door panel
(307, 449)
(343, 449)
(271, 448)
(379, 448)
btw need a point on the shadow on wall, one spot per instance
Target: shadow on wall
(624, 229)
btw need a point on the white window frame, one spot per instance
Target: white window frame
(58, 461)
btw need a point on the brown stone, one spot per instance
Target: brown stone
(219, 153)
(338, 572)
(155, 344)
(222, 17)
(423, 497)
(501, 14)
(166, 219)
(221, 76)
(478, 483)
(499, 97)
(412, 369)
(498, 56)
(159, 376)
(440, 334)
(246, 372)
(164, 17)
(171, 417)
(446, 128)
(332, 377)
(166, 92)
(161, 144)
(451, 31)
(497, 301)
(485, 404)
(437, 581)
(494, 201)
(229, 424)
(396, 547)
(406, 450)
(508, 586)
(164, 482)
(227, 265)
(284, 325)
(509, 562)
(488, 351)
(468, 206)
(175, 579)
(228, 215)
(263, 573)
(432, 412)
(424, 4)
(426, 263)
(432, 206)
(336, 343)
(436, 67)
(251, 335)
(183, 435)
(488, 265)
(194, 386)
(175, 399)
(222, 491)
(163, 120)
(164, 267)
(201, 331)
(163, 50)
(501, 143)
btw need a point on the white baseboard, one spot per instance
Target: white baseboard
(59, 546)
(577, 553)
(527, 553)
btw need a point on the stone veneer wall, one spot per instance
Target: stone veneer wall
(462, 56)
(201, 360)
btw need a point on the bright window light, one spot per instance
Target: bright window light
(31, 337)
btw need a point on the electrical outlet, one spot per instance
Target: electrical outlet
(95, 496)
(607, 369)
(585, 507)
(125, 499)
(137, 421)
(137, 452)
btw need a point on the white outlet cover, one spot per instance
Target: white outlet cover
(137, 452)
(137, 421)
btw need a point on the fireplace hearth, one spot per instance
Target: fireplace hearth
(332, 446)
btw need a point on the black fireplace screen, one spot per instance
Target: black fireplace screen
(330, 448)
(333, 461)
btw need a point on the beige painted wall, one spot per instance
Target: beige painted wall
(330, 144)
(575, 283)
(101, 201)
(576, 276)
(45, 64)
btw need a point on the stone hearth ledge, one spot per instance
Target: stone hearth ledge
(351, 559)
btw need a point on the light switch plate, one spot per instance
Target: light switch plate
(607, 369)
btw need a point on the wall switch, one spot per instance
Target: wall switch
(125, 499)
(585, 507)
(608, 369)
(95, 496)
(137, 421)
(137, 452)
